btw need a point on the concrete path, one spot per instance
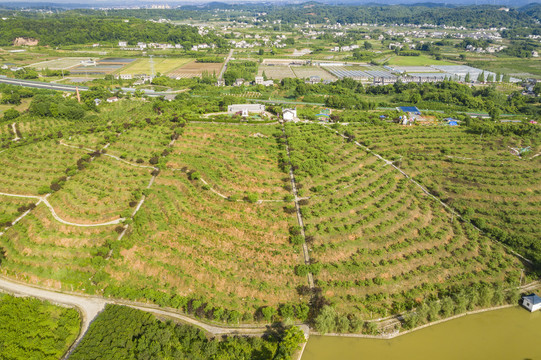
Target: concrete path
(53, 212)
(305, 252)
(17, 138)
(224, 68)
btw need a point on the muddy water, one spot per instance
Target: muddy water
(507, 334)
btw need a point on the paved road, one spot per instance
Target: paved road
(305, 252)
(224, 68)
(72, 88)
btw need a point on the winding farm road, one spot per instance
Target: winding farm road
(17, 138)
(43, 199)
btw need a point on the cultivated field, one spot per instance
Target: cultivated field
(188, 240)
(25, 169)
(161, 65)
(276, 72)
(421, 60)
(304, 72)
(195, 69)
(234, 160)
(380, 244)
(478, 176)
(58, 64)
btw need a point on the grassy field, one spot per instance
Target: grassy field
(161, 65)
(416, 61)
(25, 169)
(234, 160)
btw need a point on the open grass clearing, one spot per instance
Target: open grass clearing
(25, 169)
(91, 197)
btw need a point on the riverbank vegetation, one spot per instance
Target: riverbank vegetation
(34, 329)
(125, 333)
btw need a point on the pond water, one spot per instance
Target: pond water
(507, 334)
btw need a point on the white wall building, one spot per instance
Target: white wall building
(245, 109)
(531, 302)
(289, 114)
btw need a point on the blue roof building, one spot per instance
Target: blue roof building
(410, 109)
(531, 302)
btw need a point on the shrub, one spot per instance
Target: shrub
(11, 114)
(44, 190)
(252, 198)
(194, 175)
(296, 239)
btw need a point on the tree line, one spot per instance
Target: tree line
(69, 30)
(121, 332)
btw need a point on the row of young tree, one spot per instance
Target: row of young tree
(455, 301)
(121, 332)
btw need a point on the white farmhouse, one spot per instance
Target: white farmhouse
(259, 80)
(122, 43)
(245, 109)
(531, 302)
(289, 114)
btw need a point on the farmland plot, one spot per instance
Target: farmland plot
(276, 72)
(478, 176)
(195, 69)
(140, 144)
(41, 250)
(161, 65)
(26, 169)
(304, 72)
(380, 243)
(188, 241)
(91, 197)
(234, 160)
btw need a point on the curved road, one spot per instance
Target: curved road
(91, 306)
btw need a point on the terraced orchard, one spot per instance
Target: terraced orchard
(235, 160)
(381, 245)
(190, 242)
(477, 174)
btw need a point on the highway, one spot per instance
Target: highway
(60, 87)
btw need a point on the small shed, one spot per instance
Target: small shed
(451, 121)
(531, 302)
(112, 99)
(323, 117)
(289, 114)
